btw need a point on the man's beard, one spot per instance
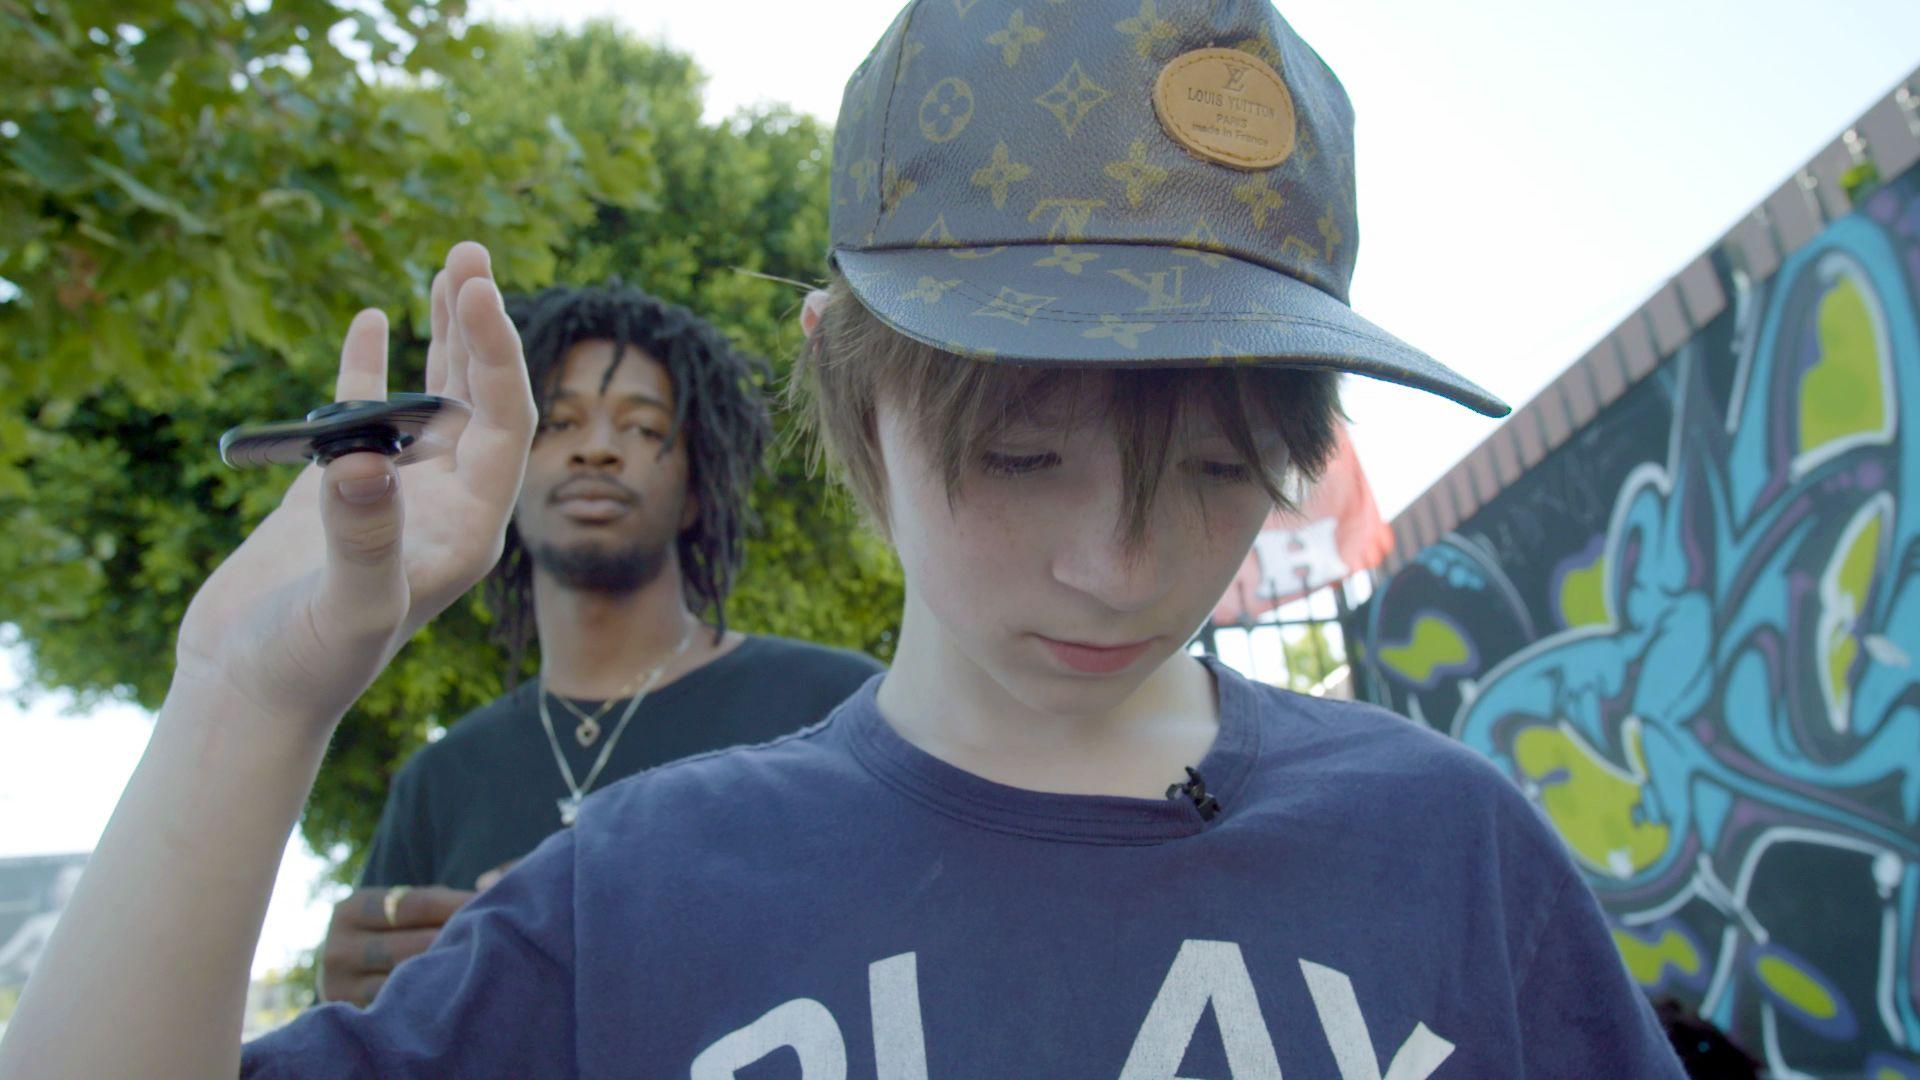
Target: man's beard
(591, 567)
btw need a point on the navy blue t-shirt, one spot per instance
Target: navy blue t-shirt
(1372, 900)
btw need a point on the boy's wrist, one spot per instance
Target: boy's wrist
(225, 714)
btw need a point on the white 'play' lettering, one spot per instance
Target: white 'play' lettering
(1204, 972)
(802, 1023)
(899, 1038)
(1346, 1029)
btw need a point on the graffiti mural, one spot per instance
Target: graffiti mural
(1692, 636)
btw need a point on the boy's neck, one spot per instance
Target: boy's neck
(594, 645)
(939, 700)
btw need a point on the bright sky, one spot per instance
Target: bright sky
(1529, 171)
(61, 772)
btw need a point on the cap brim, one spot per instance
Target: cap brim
(1103, 303)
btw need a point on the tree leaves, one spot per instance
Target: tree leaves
(47, 159)
(189, 246)
(145, 196)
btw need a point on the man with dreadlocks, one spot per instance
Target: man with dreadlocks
(619, 558)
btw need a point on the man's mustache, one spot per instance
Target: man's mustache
(593, 487)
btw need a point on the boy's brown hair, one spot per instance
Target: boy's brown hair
(957, 406)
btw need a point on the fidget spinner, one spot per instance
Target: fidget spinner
(405, 427)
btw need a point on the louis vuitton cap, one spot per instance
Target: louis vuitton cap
(1164, 182)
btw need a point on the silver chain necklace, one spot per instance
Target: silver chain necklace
(570, 804)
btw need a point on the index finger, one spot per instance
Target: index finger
(492, 877)
(420, 907)
(363, 359)
(430, 905)
(491, 455)
(439, 315)
(466, 261)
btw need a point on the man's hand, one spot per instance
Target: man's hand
(364, 945)
(492, 877)
(301, 617)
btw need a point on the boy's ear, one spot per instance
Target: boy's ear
(690, 513)
(812, 309)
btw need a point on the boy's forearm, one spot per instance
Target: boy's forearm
(147, 972)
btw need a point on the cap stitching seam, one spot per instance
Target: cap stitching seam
(1306, 275)
(1055, 315)
(881, 210)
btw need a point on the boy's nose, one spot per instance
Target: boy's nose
(1094, 557)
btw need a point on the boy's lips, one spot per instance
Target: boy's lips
(1091, 659)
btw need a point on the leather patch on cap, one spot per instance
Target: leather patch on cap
(1227, 106)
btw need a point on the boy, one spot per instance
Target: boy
(970, 869)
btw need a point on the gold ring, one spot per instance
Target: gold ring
(391, 902)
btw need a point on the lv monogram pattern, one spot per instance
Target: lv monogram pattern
(1007, 159)
(977, 123)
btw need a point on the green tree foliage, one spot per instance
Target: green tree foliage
(1313, 655)
(195, 197)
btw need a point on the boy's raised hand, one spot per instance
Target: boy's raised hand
(306, 612)
(147, 973)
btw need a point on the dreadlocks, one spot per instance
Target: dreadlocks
(717, 408)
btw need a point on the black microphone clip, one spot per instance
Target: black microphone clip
(1196, 789)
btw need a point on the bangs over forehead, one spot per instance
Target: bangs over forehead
(957, 408)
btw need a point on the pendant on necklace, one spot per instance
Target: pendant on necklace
(569, 808)
(588, 731)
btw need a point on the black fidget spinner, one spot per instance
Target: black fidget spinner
(405, 427)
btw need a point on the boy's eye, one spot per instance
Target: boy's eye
(556, 424)
(1016, 464)
(1224, 472)
(646, 430)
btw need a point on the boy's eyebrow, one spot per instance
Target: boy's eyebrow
(1026, 421)
(1026, 425)
(1047, 410)
(1213, 429)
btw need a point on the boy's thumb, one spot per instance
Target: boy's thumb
(364, 587)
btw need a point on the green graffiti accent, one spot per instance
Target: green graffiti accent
(1841, 651)
(1435, 644)
(1583, 594)
(1849, 578)
(1858, 182)
(1857, 563)
(1647, 960)
(1842, 395)
(1796, 987)
(1590, 800)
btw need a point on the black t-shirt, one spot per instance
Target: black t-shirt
(489, 791)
